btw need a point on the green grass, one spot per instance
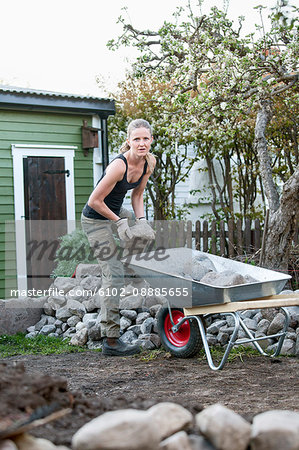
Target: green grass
(17, 344)
(236, 353)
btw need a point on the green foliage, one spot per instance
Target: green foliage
(74, 249)
(238, 352)
(213, 81)
(18, 344)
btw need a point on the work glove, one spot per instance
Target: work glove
(143, 229)
(123, 229)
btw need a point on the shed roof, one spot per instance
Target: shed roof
(37, 100)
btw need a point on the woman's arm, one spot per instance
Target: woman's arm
(114, 173)
(137, 193)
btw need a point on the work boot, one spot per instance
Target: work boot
(119, 349)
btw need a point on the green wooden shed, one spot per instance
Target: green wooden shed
(53, 148)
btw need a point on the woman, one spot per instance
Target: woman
(130, 170)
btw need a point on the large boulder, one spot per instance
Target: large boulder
(224, 428)
(275, 430)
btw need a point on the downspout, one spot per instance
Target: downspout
(104, 139)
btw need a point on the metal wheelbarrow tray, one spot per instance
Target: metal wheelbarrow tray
(181, 322)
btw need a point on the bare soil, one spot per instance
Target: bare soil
(92, 384)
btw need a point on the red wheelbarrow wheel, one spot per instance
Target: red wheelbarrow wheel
(186, 342)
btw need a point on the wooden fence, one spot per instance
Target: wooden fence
(219, 238)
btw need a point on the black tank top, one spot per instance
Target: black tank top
(115, 198)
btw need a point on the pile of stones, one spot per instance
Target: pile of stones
(72, 310)
(169, 426)
(261, 323)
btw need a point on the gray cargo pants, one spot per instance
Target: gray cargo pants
(100, 237)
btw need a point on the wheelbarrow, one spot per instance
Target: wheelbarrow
(188, 303)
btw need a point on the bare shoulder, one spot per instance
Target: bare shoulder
(116, 169)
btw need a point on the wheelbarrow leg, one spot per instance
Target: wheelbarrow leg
(229, 345)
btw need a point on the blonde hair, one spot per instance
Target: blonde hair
(138, 123)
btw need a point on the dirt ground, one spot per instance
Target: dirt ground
(92, 384)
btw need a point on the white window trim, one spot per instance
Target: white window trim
(19, 152)
(97, 152)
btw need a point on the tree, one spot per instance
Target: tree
(214, 76)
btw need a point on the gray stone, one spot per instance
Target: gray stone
(135, 328)
(72, 321)
(69, 332)
(288, 347)
(154, 338)
(141, 317)
(230, 321)
(129, 314)
(147, 325)
(154, 310)
(169, 418)
(269, 313)
(63, 313)
(291, 335)
(57, 301)
(58, 323)
(64, 327)
(128, 337)
(251, 324)
(275, 430)
(241, 334)
(294, 316)
(258, 317)
(127, 429)
(93, 303)
(215, 326)
(225, 278)
(31, 329)
(125, 323)
(85, 270)
(225, 429)
(248, 314)
(145, 344)
(80, 338)
(178, 441)
(47, 329)
(277, 324)
(64, 284)
(200, 443)
(212, 340)
(51, 320)
(53, 335)
(296, 350)
(131, 302)
(150, 301)
(76, 294)
(76, 308)
(80, 325)
(49, 310)
(262, 326)
(41, 323)
(90, 317)
(7, 444)
(94, 333)
(222, 338)
(155, 327)
(31, 334)
(90, 285)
